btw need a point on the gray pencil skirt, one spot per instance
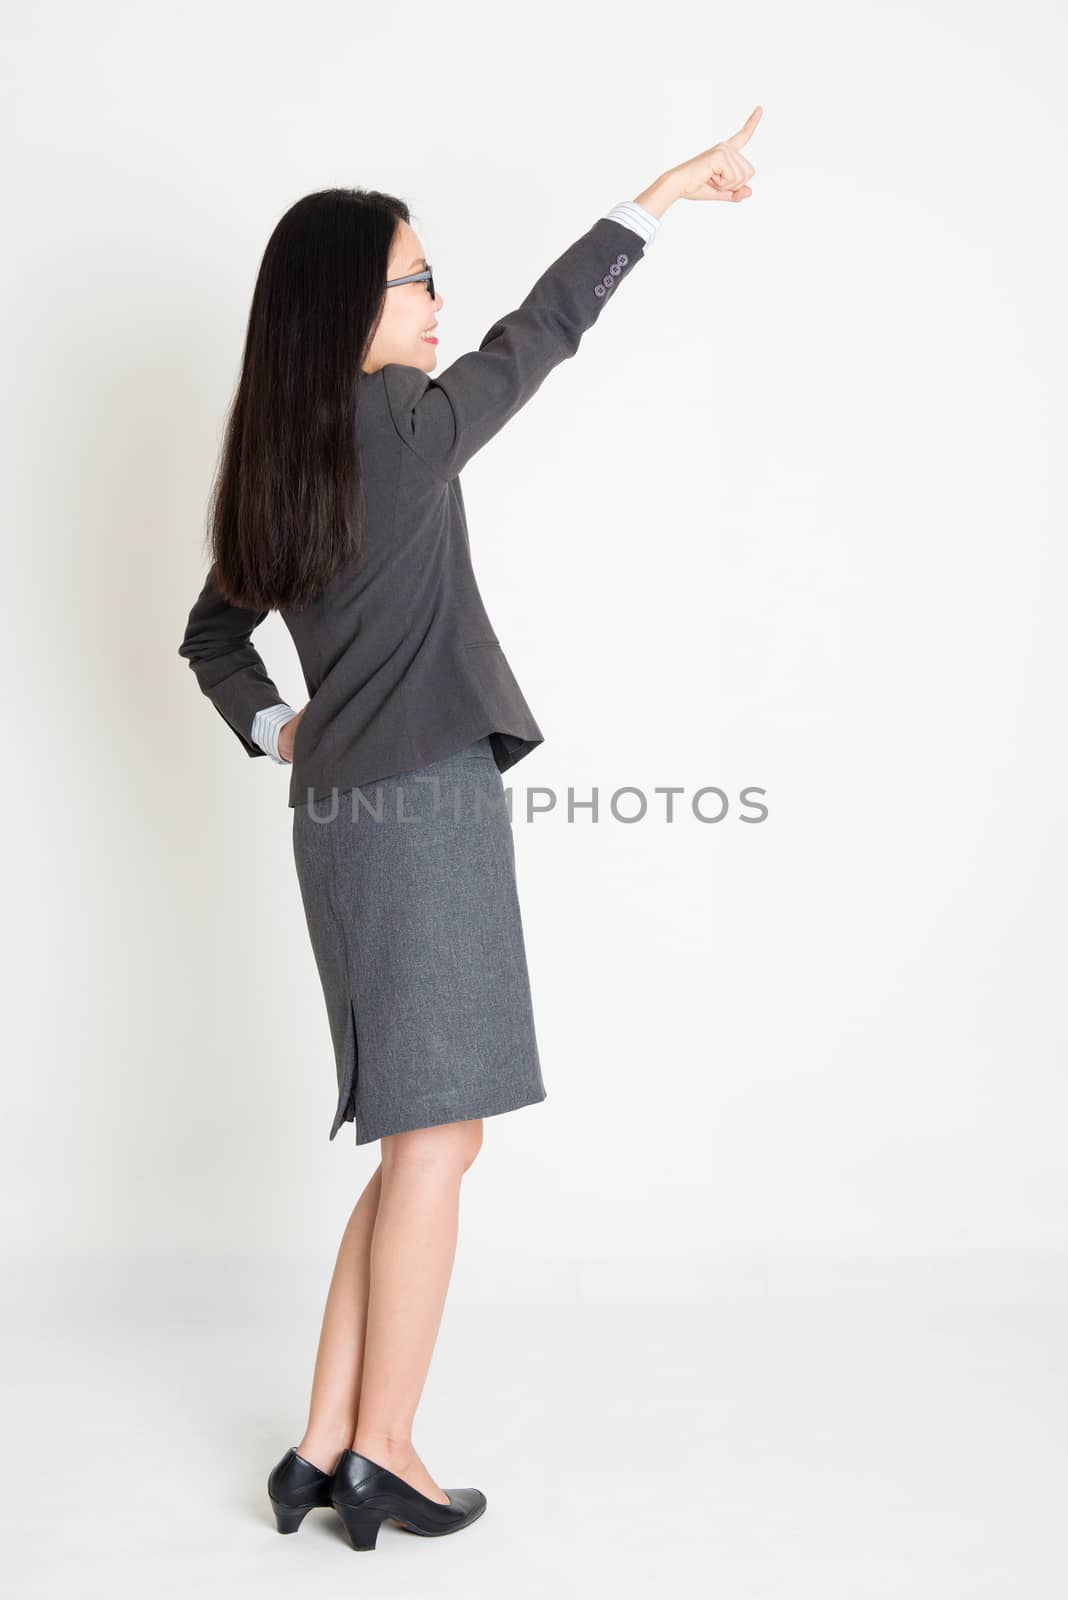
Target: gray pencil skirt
(409, 891)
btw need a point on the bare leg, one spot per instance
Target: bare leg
(412, 1254)
(339, 1364)
(384, 1306)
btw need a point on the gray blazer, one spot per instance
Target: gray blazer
(401, 662)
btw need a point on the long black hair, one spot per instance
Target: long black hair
(287, 508)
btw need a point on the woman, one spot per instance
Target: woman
(338, 503)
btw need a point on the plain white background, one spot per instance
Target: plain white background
(769, 1294)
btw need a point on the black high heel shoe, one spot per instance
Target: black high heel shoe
(365, 1494)
(295, 1487)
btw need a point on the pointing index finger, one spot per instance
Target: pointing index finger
(746, 131)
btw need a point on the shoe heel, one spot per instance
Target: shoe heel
(361, 1525)
(287, 1519)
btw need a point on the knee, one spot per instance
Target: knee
(473, 1139)
(449, 1147)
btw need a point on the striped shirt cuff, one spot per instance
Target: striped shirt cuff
(636, 217)
(266, 725)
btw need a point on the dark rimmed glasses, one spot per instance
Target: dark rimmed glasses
(426, 276)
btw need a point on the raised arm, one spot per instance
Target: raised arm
(447, 417)
(230, 670)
